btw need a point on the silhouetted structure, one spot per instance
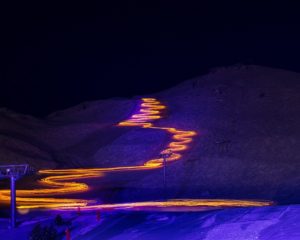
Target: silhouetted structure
(14, 172)
(165, 155)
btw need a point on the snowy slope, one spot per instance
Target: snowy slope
(247, 145)
(248, 142)
(276, 223)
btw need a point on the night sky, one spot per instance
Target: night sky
(54, 57)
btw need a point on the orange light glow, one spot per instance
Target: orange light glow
(178, 203)
(151, 110)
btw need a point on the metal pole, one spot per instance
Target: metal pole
(13, 202)
(165, 164)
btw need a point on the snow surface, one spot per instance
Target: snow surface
(276, 223)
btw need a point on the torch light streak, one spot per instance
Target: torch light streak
(60, 180)
(177, 203)
(151, 110)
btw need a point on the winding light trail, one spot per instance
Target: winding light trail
(62, 181)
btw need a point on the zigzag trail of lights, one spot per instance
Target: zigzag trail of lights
(61, 181)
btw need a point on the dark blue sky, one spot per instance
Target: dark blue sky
(53, 57)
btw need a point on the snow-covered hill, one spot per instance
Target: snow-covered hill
(247, 146)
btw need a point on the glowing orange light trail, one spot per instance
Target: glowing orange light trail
(177, 203)
(60, 180)
(151, 110)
